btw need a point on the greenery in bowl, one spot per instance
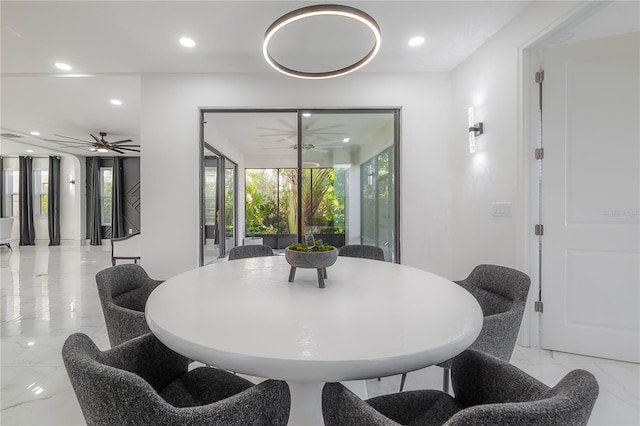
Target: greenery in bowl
(317, 248)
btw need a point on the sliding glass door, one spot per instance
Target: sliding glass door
(330, 173)
(218, 199)
(349, 184)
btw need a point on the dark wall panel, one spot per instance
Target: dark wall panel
(131, 181)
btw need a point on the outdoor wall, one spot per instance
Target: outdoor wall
(489, 81)
(169, 166)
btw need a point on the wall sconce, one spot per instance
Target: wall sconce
(474, 130)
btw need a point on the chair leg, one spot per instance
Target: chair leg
(404, 377)
(445, 379)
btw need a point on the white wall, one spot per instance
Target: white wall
(169, 166)
(72, 199)
(490, 82)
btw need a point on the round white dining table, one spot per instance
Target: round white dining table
(373, 319)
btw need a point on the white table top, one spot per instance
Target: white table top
(373, 319)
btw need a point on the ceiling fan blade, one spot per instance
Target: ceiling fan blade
(127, 146)
(117, 150)
(122, 141)
(69, 142)
(126, 149)
(75, 139)
(97, 140)
(275, 135)
(319, 129)
(75, 146)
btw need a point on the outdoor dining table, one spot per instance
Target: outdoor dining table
(372, 319)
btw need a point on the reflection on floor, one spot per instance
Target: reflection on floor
(49, 293)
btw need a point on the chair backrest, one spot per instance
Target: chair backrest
(127, 247)
(120, 385)
(497, 288)
(123, 291)
(362, 251)
(6, 226)
(496, 392)
(256, 250)
(502, 294)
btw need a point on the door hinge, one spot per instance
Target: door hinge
(539, 230)
(540, 76)
(539, 153)
(537, 306)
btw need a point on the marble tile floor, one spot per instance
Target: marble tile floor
(49, 293)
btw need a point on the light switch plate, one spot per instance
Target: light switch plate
(501, 209)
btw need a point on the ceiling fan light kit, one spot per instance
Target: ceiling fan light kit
(322, 10)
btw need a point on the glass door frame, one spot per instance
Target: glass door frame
(396, 160)
(300, 111)
(220, 198)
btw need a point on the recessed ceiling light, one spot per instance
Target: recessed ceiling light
(306, 114)
(35, 133)
(416, 41)
(63, 66)
(92, 149)
(116, 101)
(29, 150)
(187, 42)
(345, 140)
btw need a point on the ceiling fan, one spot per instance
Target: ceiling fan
(99, 145)
(307, 146)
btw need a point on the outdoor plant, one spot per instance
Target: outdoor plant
(316, 248)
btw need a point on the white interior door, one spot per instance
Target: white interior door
(590, 203)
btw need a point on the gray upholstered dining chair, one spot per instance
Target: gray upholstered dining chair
(488, 391)
(124, 290)
(502, 294)
(243, 252)
(362, 251)
(142, 382)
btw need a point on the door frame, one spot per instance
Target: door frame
(529, 62)
(299, 111)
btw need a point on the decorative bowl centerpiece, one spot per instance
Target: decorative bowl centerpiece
(319, 256)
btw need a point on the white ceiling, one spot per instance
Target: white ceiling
(112, 43)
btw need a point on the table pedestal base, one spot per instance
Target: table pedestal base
(306, 404)
(306, 401)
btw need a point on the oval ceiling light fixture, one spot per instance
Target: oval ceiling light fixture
(416, 41)
(34, 133)
(117, 102)
(187, 42)
(321, 10)
(62, 66)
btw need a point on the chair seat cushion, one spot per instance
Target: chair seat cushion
(414, 408)
(203, 385)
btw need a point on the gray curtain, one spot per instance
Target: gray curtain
(95, 208)
(117, 201)
(2, 188)
(54, 201)
(27, 229)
